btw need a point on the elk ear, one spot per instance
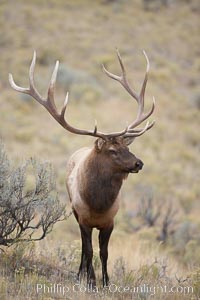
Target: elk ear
(128, 140)
(99, 144)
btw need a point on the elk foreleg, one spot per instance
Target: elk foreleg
(104, 236)
(86, 266)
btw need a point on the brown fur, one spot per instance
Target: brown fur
(101, 182)
(95, 177)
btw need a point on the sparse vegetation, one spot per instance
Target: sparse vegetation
(148, 210)
(28, 210)
(82, 35)
(149, 4)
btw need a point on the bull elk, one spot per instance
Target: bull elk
(95, 175)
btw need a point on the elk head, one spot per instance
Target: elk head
(116, 155)
(111, 145)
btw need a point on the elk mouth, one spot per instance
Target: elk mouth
(138, 166)
(134, 170)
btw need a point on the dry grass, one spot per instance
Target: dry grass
(83, 34)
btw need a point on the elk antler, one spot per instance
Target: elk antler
(141, 116)
(49, 102)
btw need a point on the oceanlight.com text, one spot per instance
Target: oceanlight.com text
(61, 289)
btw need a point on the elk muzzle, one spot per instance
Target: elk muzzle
(138, 165)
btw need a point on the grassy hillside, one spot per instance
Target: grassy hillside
(82, 35)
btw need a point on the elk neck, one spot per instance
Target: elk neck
(100, 182)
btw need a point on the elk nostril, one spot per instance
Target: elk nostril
(139, 164)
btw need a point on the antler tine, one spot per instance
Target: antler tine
(139, 131)
(142, 117)
(95, 126)
(31, 70)
(120, 133)
(142, 91)
(50, 98)
(145, 78)
(111, 75)
(16, 87)
(121, 64)
(122, 79)
(32, 90)
(65, 106)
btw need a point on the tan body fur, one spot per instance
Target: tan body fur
(75, 174)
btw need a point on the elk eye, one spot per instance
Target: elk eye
(113, 152)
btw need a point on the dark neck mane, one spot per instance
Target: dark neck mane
(100, 184)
